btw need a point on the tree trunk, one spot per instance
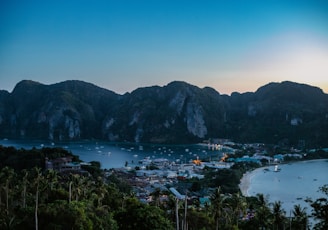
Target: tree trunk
(185, 214)
(24, 196)
(36, 206)
(0, 198)
(70, 192)
(177, 212)
(217, 224)
(7, 195)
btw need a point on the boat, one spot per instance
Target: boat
(276, 168)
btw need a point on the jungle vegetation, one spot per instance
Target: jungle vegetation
(34, 198)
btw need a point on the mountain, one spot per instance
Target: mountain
(285, 113)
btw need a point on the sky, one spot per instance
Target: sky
(229, 45)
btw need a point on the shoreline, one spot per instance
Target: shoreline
(246, 180)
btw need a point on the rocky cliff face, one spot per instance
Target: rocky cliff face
(175, 113)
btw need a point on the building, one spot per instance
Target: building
(63, 164)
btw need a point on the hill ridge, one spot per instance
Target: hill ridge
(285, 112)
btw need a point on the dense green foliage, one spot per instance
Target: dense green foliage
(27, 159)
(32, 196)
(35, 198)
(320, 209)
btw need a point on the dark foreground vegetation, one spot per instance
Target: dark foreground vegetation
(32, 197)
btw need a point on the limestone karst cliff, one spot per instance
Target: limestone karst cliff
(175, 113)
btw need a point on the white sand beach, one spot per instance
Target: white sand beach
(246, 181)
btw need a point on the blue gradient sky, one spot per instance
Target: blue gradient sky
(122, 45)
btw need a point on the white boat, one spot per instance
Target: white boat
(276, 168)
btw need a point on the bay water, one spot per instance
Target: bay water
(116, 155)
(292, 185)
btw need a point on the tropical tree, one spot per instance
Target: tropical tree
(142, 216)
(8, 190)
(100, 190)
(263, 212)
(199, 220)
(73, 187)
(185, 223)
(279, 216)
(52, 177)
(64, 215)
(24, 184)
(156, 196)
(87, 184)
(102, 218)
(113, 198)
(37, 183)
(218, 207)
(300, 219)
(320, 209)
(79, 187)
(7, 176)
(238, 205)
(177, 222)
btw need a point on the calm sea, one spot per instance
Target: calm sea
(115, 155)
(293, 184)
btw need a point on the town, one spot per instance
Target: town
(162, 176)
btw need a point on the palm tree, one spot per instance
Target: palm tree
(75, 187)
(78, 182)
(238, 204)
(300, 218)
(86, 185)
(52, 178)
(185, 224)
(25, 182)
(70, 192)
(279, 216)
(156, 196)
(263, 212)
(218, 206)
(37, 182)
(9, 186)
(7, 176)
(53, 186)
(170, 207)
(9, 223)
(100, 191)
(320, 209)
(177, 212)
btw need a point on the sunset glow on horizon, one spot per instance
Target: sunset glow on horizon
(231, 46)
